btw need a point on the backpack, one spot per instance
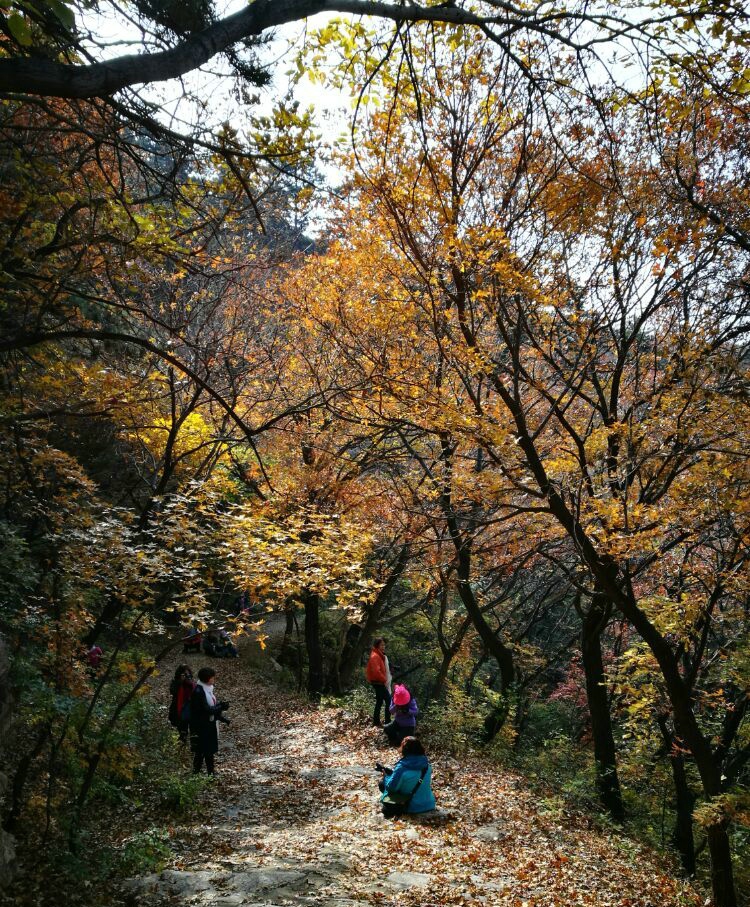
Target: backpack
(397, 803)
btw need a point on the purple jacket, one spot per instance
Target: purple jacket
(405, 715)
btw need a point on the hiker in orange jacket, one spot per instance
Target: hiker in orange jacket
(376, 674)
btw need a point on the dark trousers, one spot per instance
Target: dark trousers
(198, 762)
(381, 695)
(395, 733)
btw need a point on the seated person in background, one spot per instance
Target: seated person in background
(404, 712)
(192, 642)
(409, 781)
(212, 643)
(227, 648)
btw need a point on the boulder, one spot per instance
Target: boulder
(408, 880)
(490, 833)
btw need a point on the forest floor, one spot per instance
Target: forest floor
(292, 818)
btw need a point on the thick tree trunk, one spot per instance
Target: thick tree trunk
(605, 755)
(315, 678)
(722, 876)
(108, 615)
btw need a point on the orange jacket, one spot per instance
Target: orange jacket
(375, 670)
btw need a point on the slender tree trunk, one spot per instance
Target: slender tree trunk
(312, 642)
(449, 649)
(286, 654)
(492, 642)
(349, 652)
(605, 755)
(355, 644)
(449, 654)
(682, 834)
(88, 780)
(21, 776)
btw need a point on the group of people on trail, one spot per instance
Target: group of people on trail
(218, 644)
(397, 701)
(194, 711)
(214, 643)
(407, 787)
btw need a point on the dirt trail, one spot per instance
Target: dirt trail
(292, 819)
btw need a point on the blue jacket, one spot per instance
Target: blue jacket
(404, 778)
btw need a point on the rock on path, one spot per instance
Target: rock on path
(292, 819)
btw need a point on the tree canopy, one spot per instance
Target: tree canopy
(497, 406)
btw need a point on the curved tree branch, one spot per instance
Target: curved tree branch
(33, 75)
(36, 75)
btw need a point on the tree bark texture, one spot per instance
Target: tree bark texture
(682, 833)
(40, 76)
(312, 643)
(605, 755)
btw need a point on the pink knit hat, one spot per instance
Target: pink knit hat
(401, 695)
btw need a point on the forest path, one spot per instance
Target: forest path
(292, 819)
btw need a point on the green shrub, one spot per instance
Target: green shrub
(548, 719)
(358, 702)
(180, 792)
(147, 851)
(454, 725)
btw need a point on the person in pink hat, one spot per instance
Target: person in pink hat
(404, 712)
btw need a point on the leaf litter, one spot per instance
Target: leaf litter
(292, 818)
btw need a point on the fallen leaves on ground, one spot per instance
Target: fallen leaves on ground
(296, 788)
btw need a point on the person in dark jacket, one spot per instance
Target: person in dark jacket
(181, 690)
(404, 778)
(205, 712)
(404, 712)
(212, 644)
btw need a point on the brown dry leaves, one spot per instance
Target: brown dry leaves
(296, 785)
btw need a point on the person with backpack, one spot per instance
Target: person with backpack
(205, 712)
(407, 787)
(181, 689)
(376, 675)
(404, 712)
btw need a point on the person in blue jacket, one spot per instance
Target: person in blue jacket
(405, 774)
